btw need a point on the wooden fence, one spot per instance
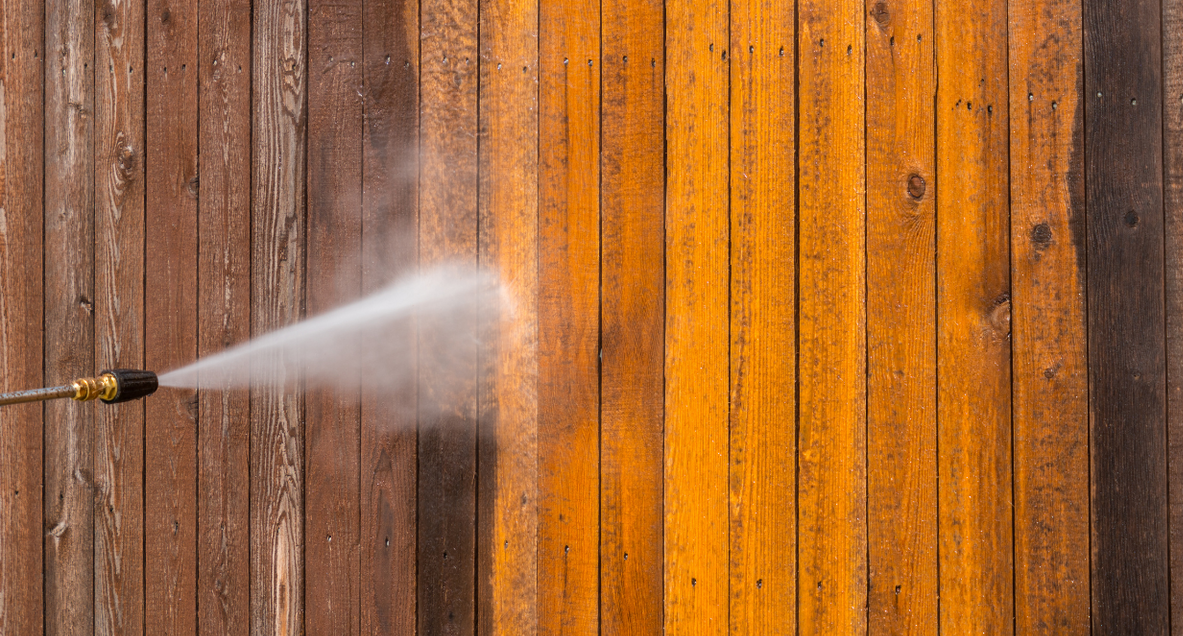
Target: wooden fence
(829, 317)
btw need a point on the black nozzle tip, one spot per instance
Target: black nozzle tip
(131, 384)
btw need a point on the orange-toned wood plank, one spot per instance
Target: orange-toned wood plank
(832, 499)
(224, 319)
(632, 316)
(973, 318)
(507, 574)
(390, 218)
(119, 311)
(568, 318)
(68, 240)
(696, 334)
(21, 307)
(763, 486)
(1049, 352)
(901, 319)
(277, 288)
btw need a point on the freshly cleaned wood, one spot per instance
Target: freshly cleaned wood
(763, 413)
(1050, 356)
(831, 444)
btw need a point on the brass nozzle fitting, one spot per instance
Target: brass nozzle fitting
(104, 387)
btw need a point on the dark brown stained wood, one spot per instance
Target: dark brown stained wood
(170, 316)
(1050, 356)
(763, 481)
(696, 318)
(507, 571)
(1126, 323)
(224, 208)
(119, 312)
(831, 327)
(331, 442)
(632, 316)
(68, 530)
(277, 288)
(21, 443)
(973, 319)
(901, 319)
(447, 393)
(389, 249)
(568, 318)
(1172, 100)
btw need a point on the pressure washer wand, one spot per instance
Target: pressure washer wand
(111, 386)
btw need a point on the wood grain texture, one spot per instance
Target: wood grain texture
(170, 307)
(119, 311)
(831, 329)
(331, 425)
(1126, 322)
(901, 319)
(68, 486)
(973, 319)
(763, 415)
(569, 318)
(1172, 100)
(277, 290)
(507, 573)
(632, 316)
(448, 83)
(224, 317)
(1050, 354)
(390, 218)
(22, 152)
(696, 319)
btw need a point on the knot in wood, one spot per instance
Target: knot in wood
(881, 14)
(916, 186)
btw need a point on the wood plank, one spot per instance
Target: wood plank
(1126, 322)
(973, 319)
(447, 390)
(331, 415)
(1050, 355)
(390, 218)
(696, 319)
(21, 309)
(277, 291)
(569, 318)
(1172, 100)
(632, 316)
(763, 480)
(831, 341)
(119, 310)
(224, 278)
(507, 572)
(69, 314)
(170, 307)
(901, 319)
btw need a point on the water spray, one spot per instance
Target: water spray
(111, 386)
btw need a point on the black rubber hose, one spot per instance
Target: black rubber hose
(132, 384)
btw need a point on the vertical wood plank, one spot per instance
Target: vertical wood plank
(170, 307)
(119, 311)
(1050, 364)
(1126, 322)
(832, 498)
(568, 318)
(331, 442)
(763, 480)
(22, 150)
(390, 218)
(632, 316)
(507, 575)
(277, 287)
(973, 319)
(69, 314)
(1172, 100)
(447, 393)
(697, 322)
(224, 318)
(901, 318)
